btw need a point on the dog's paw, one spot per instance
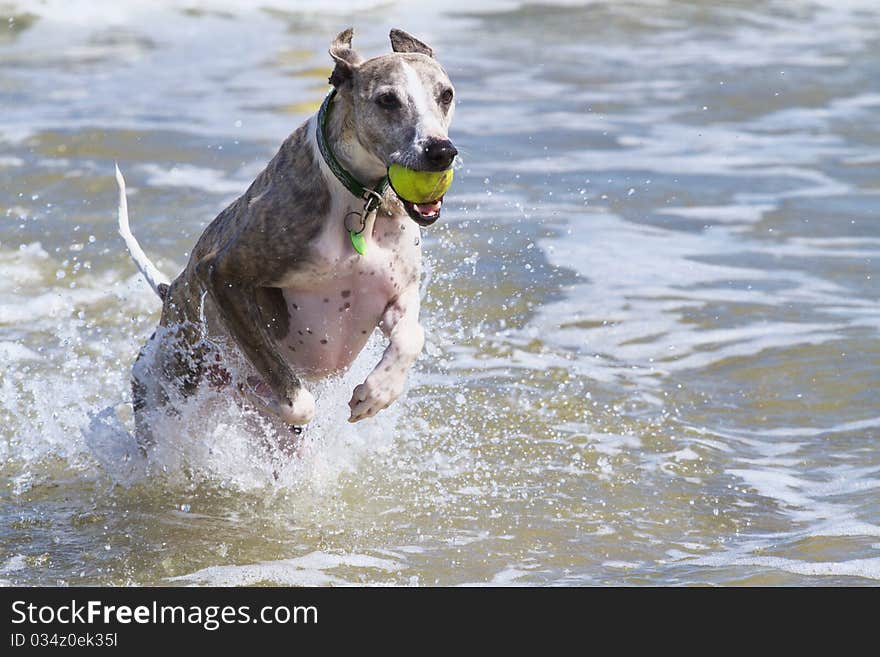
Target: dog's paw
(300, 410)
(372, 396)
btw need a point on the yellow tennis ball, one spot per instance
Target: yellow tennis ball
(419, 186)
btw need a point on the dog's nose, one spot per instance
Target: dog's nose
(440, 153)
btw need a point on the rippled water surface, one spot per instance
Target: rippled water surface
(652, 301)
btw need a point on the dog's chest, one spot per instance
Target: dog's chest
(337, 299)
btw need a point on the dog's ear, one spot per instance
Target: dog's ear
(404, 42)
(345, 57)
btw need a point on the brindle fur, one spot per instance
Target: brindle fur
(281, 213)
(228, 289)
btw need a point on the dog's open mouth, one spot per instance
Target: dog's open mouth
(424, 214)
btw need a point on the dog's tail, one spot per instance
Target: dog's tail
(157, 280)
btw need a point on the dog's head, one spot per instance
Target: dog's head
(402, 106)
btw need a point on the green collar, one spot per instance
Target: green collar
(371, 197)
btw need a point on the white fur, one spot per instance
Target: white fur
(147, 268)
(428, 123)
(335, 266)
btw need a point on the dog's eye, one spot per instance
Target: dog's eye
(388, 100)
(446, 96)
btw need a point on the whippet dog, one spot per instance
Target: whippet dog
(274, 283)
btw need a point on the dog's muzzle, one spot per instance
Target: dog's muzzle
(424, 214)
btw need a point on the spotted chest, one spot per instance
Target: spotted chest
(336, 300)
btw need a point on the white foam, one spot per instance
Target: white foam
(778, 484)
(508, 577)
(14, 563)
(187, 175)
(865, 568)
(11, 352)
(621, 565)
(312, 569)
(89, 423)
(720, 213)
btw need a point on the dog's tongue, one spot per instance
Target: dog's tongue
(428, 209)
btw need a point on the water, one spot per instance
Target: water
(652, 309)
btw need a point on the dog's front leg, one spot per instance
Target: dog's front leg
(400, 323)
(236, 300)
